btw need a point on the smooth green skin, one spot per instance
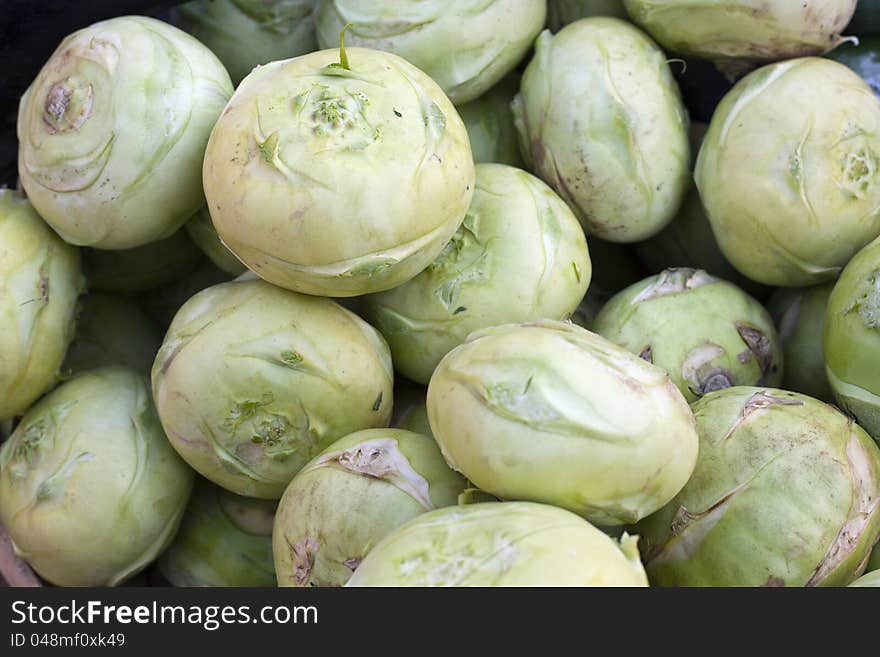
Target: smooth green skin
(489, 123)
(871, 580)
(600, 118)
(40, 280)
(202, 232)
(500, 544)
(743, 32)
(863, 58)
(785, 493)
(359, 490)
(90, 490)
(162, 303)
(111, 330)
(549, 412)
(520, 255)
(223, 540)
(143, 267)
(792, 196)
(466, 46)
(688, 241)
(850, 338)
(253, 381)
(799, 314)
(562, 12)
(117, 165)
(247, 33)
(373, 163)
(705, 332)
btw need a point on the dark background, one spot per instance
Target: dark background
(30, 30)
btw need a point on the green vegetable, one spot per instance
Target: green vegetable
(113, 129)
(143, 267)
(338, 181)
(247, 33)
(40, 280)
(350, 496)
(519, 255)
(466, 46)
(705, 332)
(500, 544)
(224, 540)
(600, 118)
(253, 381)
(792, 196)
(851, 339)
(489, 123)
(111, 330)
(740, 34)
(550, 412)
(784, 494)
(90, 490)
(201, 230)
(799, 314)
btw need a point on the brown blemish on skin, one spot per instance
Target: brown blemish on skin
(302, 554)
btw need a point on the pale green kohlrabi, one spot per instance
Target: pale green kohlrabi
(501, 544)
(550, 412)
(562, 12)
(338, 173)
(253, 381)
(201, 230)
(247, 33)
(90, 489)
(223, 540)
(792, 195)
(40, 281)
(707, 333)
(799, 314)
(519, 255)
(489, 123)
(851, 338)
(601, 119)
(113, 129)
(142, 267)
(466, 46)
(740, 34)
(786, 492)
(111, 330)
(353, 494)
